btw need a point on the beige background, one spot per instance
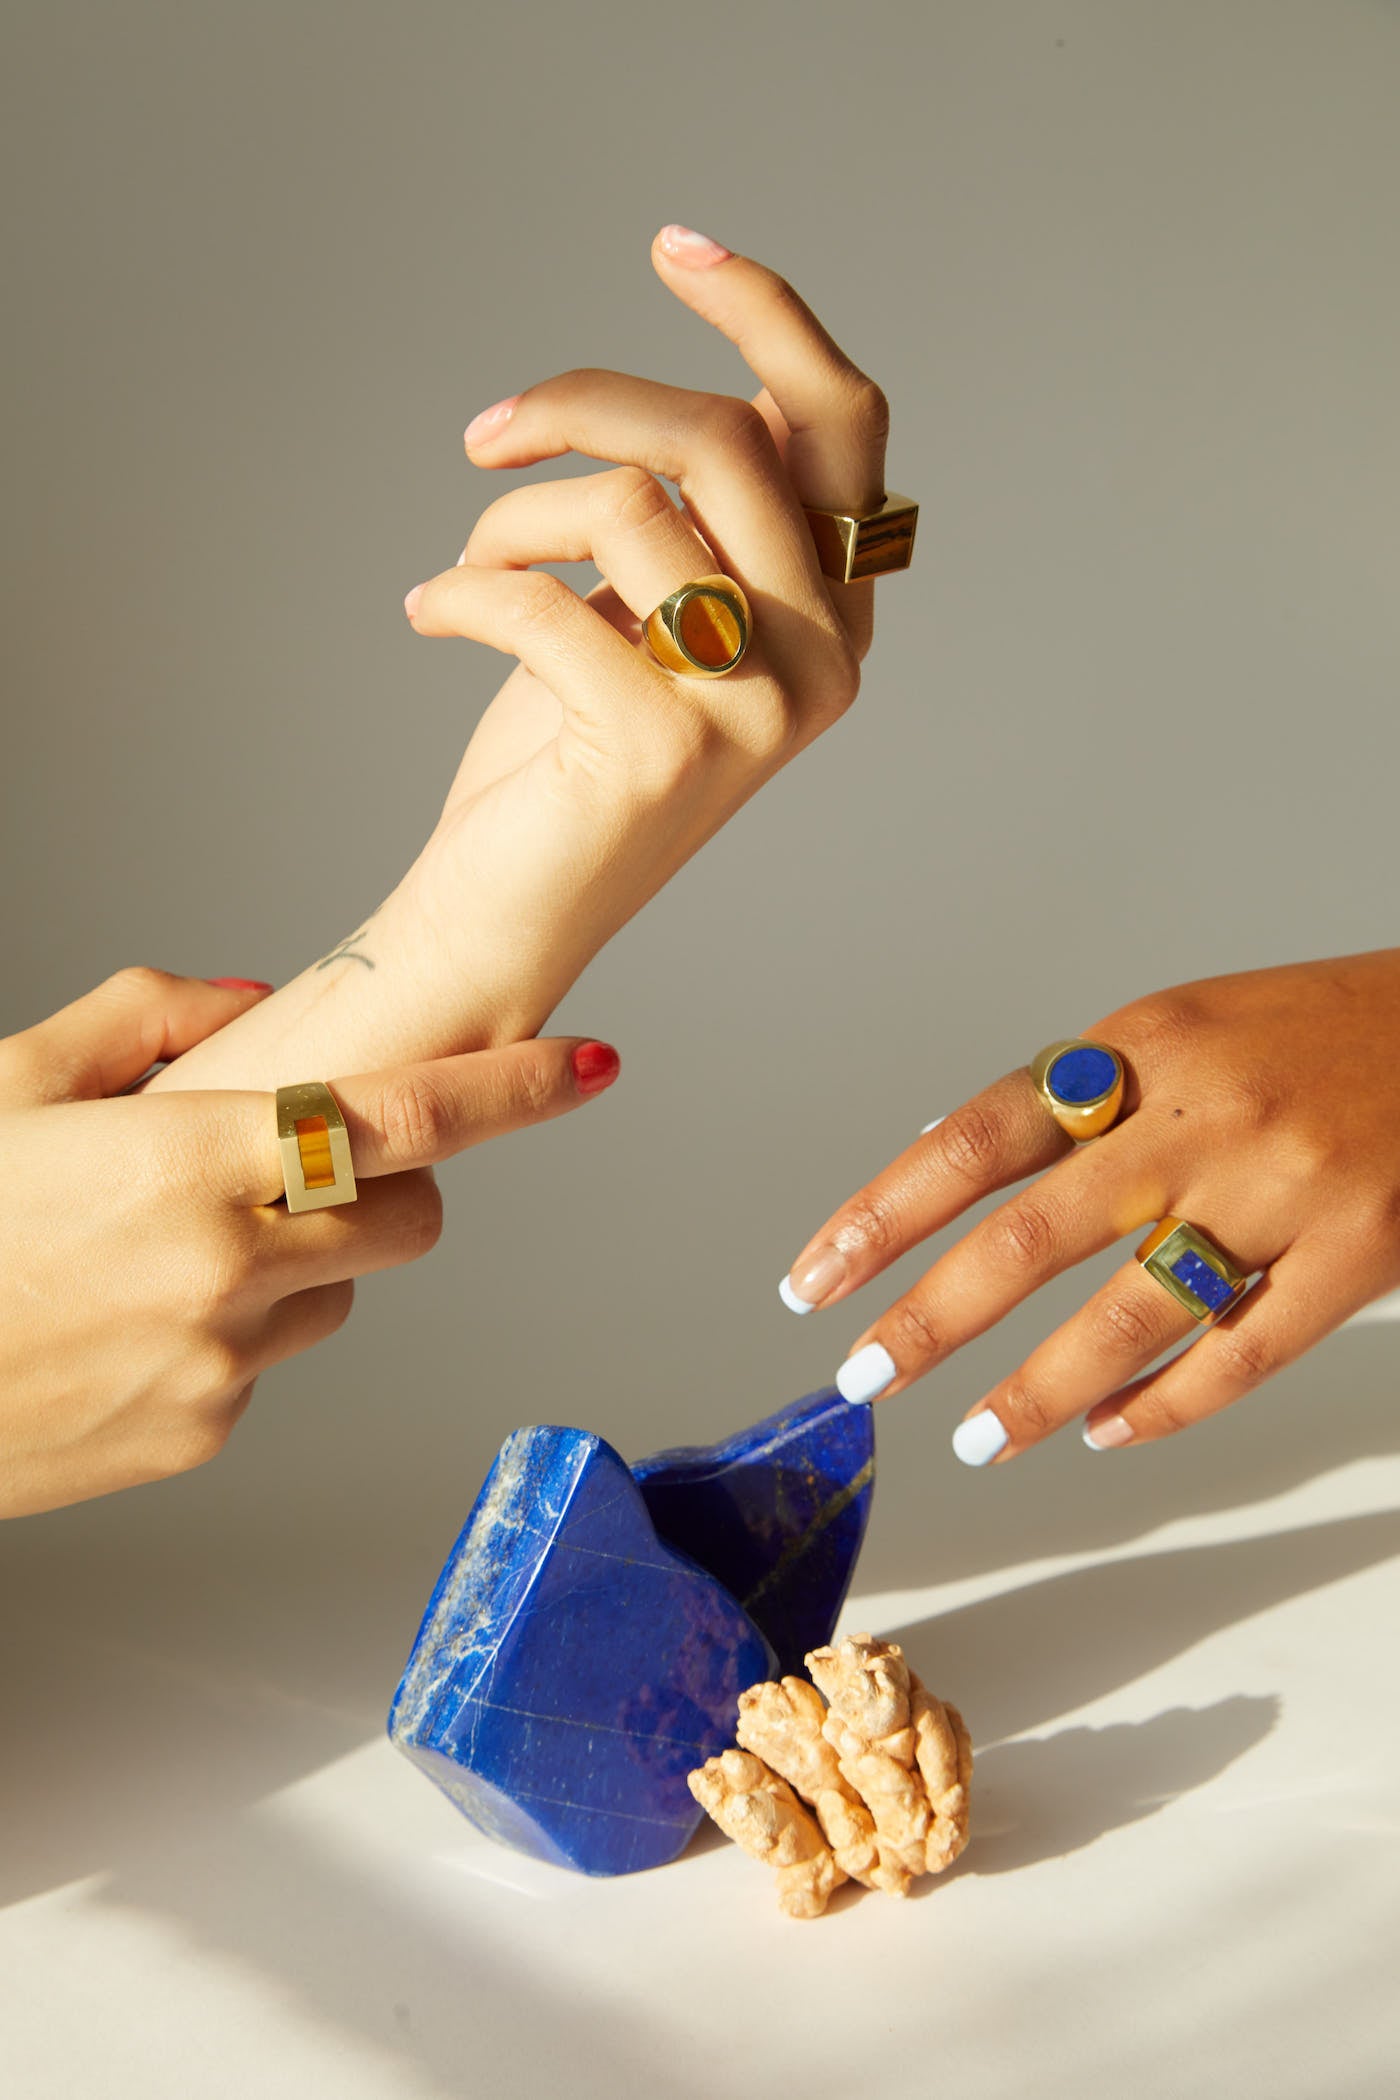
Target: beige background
(1127, 273)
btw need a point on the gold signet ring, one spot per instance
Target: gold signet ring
(1081, 1083)
(315, 1147)
(851, 544)
(702, 629)
(1190, 1265)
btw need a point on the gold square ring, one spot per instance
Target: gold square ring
(315, 1147)
(853, 544)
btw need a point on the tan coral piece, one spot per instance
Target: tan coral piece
(782, 1724)
(944, 1755)
(866, 1682)
(759, 1810)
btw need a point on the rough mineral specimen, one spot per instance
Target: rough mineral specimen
(886, 1769)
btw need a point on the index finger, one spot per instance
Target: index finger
(1000, 1136)
(415, 1115)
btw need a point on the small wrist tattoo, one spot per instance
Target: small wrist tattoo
(348, 950)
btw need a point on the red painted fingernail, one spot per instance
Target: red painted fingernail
(596, 1065)
(240, 984)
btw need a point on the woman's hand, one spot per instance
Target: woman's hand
(596, 774)
(148, 1272)
(1263, 1109)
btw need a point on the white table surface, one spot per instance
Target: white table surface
(1182, 1879)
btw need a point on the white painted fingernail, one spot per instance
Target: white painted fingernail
(979, 1438)
(866, 1373)
(791, 1299)
(932, 1126)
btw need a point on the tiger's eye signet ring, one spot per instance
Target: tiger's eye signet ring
(852, 544)
(702, 629)
(1081, 1083)
(1191, 1266)
(315, 1147)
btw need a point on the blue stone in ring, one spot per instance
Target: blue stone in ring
(1202, 1280)
(1082, 1075)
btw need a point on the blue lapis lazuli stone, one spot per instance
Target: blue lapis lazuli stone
(1198, 1276)
(1081, 1075)
(572, 1667)
(777, 1512)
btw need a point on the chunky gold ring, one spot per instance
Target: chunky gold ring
(1191, 1266)
(701, 629)
(315, 1147)
(864, 543)
(1081, 1083)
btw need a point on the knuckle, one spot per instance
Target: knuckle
(339, 1300)
(631, 500)
(538, 1083)
(216, 1366)
(1025, 1412)
(910, 1326)
(972, 1142)
(1123, 1327)
(868, 410)
(414, 1118)
(1161, 1029)
(735, 427)
(1022, 1237)
(1243, 1358)
(870, 1224)
(1157, 1413)
(539, 602)
(137, 983)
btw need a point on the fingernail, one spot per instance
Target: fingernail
(1108, 1433)
(596, 1065)
(867, 1373)
(695, 249)
(979, 1438)
(804, 1287)
(410, 603)
(240, 984)
(932, 1126)
(490, 420)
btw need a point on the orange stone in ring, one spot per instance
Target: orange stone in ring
(708, 630)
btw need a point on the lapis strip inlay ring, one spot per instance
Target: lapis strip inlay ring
(1191, 1266)
(1081, 1083)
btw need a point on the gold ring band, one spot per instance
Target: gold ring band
(852, 544)
(702, 629)
(315, 1147)
(1081, 1083)
(1186, 1262)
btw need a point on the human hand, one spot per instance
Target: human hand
(149, 1273)
(596, 774)
(1263, 1108)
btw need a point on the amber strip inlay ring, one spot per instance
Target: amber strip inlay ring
(315, 1147)
(702, 629)
(852, 544)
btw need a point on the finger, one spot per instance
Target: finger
(1000, 1136)
(1112, 1337)
(98, 1044)
(298, 1322)
(836, 417)
(395, 1219)
(623, 521)
(1080, 1207)
(414, 1115)
(1301, 1297)
(716, 448)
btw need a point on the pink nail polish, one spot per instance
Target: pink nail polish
(491, 420)
(696, 250)
(410, 603)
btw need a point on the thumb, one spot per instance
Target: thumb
(99, 1044)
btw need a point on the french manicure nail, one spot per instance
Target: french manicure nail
(684, 245)
(240, 984)
(866, 1374)
(817, 1278)
(596, 1065)
(979, 1438)
(491, 420)
(932, 1126)
(1108, 1433)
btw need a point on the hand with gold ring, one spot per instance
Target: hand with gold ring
(1258, 1133)
(150, 1269)
(597, 770)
